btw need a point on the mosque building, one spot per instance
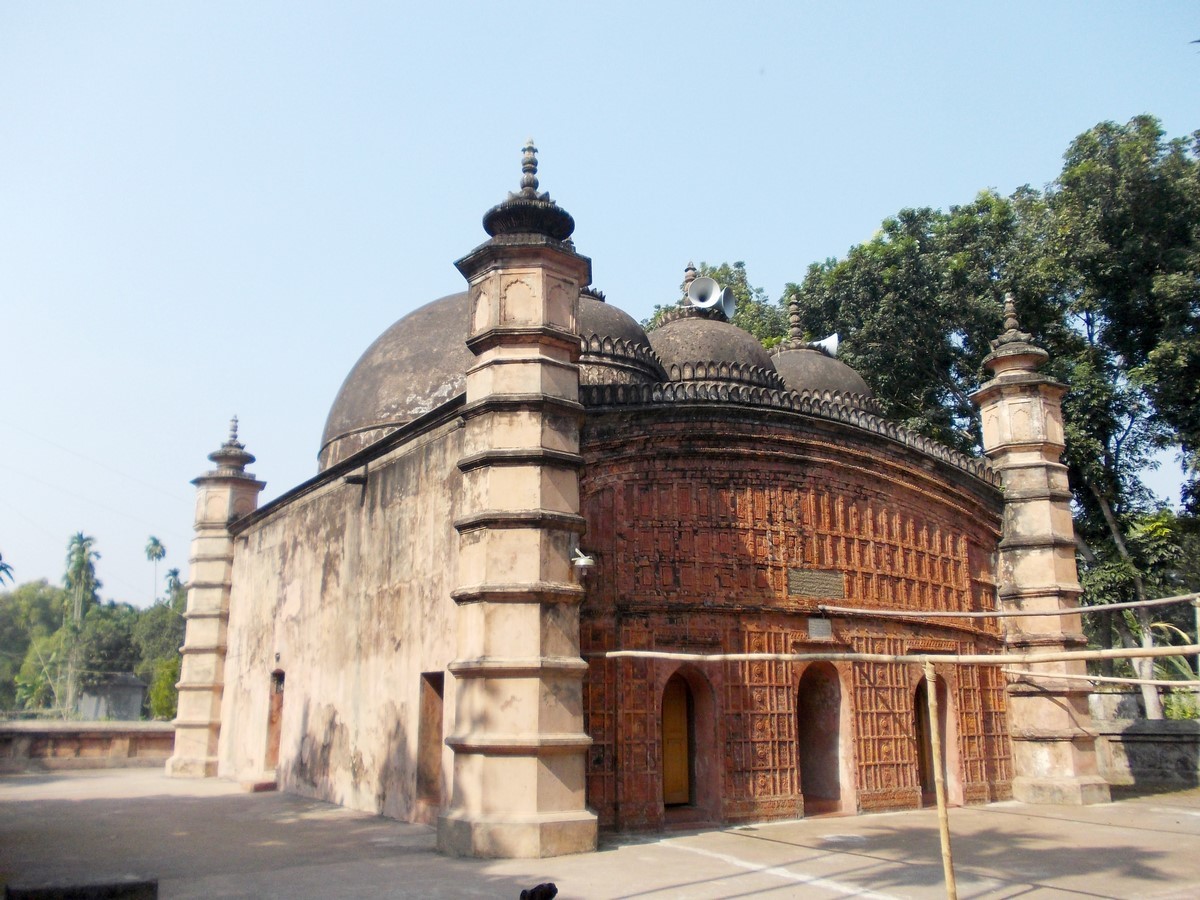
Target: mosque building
(517, 480)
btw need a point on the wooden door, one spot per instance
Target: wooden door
(274, 721)
(676, 749)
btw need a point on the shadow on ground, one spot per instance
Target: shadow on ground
(233, 845)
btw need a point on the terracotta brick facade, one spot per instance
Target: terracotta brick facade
(699, 519)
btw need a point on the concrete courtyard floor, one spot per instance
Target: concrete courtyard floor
(210, 839)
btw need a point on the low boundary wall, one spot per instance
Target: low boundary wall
(1148, 753)
(43, 745)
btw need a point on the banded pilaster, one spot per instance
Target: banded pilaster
(222, 495)
(518, 739)
(1054, 753)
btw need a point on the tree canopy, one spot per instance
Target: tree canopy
(48, 654)
(1104, 265)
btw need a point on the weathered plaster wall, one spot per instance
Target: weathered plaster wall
(718, 530)
(346, 590)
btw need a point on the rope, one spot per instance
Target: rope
(940, 614)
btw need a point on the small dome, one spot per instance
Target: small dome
(412, 368)
(615, 349)
(698, 348)
(809, 369)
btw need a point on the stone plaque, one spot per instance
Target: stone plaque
(828, 584)
(820, 629)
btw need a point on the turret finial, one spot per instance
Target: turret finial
(1010, 314)
(1014, 350)
(529, 182)
(1012, 327)
(528, 212)
(231, 457)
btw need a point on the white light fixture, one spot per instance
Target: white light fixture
(582, 562)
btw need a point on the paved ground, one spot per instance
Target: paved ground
(208, 839)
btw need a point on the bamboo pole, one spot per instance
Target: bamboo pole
(1196, 606)
(1013, 614)
(965, 659)
(1178, 684)
(939, 780)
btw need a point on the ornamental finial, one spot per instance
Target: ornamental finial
(231, 457)
(1010, 314)
(529, 182)
(1012, 327)
(528, 212)
(795, 331)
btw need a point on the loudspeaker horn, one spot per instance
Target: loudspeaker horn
(829, 344)
(703, 292)
(728, 303)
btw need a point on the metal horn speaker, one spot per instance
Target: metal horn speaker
(728, 303)
(829, 344)
(704, 293)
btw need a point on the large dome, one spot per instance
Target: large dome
(414, 367)
(695, 347)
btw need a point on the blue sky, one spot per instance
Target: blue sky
(213, 208)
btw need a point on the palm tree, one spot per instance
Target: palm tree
(80, 580)
(176, 596)
(154, 552)
(5, 570)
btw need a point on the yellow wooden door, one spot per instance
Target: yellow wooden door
(676, 788)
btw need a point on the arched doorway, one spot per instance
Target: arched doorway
(818, 726)
(678, 743)
(925, 748)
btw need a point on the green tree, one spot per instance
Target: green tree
(106, 646)
(29, 612)
(164, 696)
(155, 551)
(911, 307)
(158, 635)
(41, 682)
(1127, 207)
(1105, 268)
(80, 580)
(176, 591)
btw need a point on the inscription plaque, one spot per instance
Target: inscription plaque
(829, 584)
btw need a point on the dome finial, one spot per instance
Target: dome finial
(795, 330)
(689, 275)
(529, 182)
(1012, 327)
(233, 426)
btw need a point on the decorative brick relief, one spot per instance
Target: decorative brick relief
(698, 551)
